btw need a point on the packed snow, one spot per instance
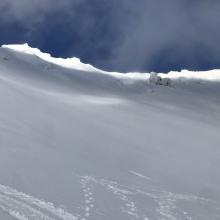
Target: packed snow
(79, 143)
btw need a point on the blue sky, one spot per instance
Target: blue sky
(119, 35)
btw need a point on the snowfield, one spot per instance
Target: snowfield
(78, 143)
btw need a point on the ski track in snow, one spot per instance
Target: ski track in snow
(140, 175)
(120, 192)
(88, 197)
(24, 207)
(166, 202)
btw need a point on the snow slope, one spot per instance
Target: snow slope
(80, 143)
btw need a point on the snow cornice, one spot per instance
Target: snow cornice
(75, 63)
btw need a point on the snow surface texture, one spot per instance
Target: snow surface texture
(80, 143)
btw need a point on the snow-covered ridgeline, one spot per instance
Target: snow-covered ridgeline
(70, 63)
(75, 63)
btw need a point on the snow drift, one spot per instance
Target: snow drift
(81, 143)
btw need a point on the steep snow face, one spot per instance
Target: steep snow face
(81, 143)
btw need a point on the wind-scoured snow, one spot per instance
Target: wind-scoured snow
(81, 143)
